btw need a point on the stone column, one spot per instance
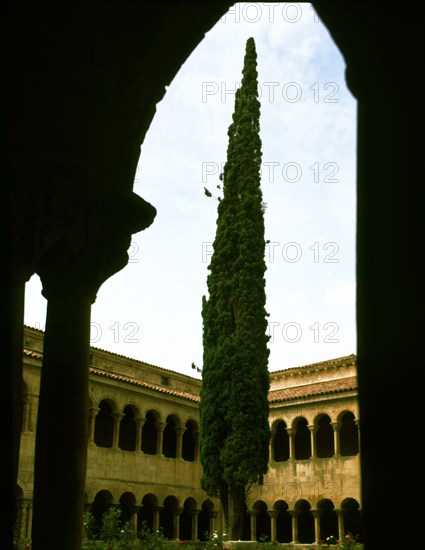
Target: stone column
(12, 383)
(92, 423)
(316, 515)
(213, 520)
(179, 441)
(253, 517)
(156, 511)
(29, 519)
(195, 514)
(92, 229)
(117, 417)
(160, 427)
(196, 438)
(25, 415)
(176, 522)
(134, 514)
(139, 427)
(357, 422)
(336, 426)
(63, 420)
(341, 529)
(313, 430)
(294, 515)
(271, 447)
(291, 433)
(26, 519)
(32, 412)
(273, 516)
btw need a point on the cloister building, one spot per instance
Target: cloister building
(143, 453)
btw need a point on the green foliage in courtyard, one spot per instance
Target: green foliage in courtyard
(114, 534)
(234, 407)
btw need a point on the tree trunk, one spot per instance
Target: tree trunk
(236, 512)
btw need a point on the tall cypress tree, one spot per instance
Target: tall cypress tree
(234, 407)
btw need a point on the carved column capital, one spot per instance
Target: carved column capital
(86, 230)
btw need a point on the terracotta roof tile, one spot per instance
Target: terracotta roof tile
(145, 384)
(327, 363)
(286, 394)
(317, 388)
(32, 353)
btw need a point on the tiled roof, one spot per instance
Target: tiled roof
(317, 388)
(320, 364)
(145, 384)
(116, 355)
(32, 353)
(127, 379)
(286, 394)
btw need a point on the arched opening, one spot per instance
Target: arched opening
(145, 516)
(186, 519)
(283, 522)
(328, 519)
(352, 518)
(348, 435)
(101, 504)
(280, 442)
(325, 447)
(127, 504)
(367, 290)
(167, 516)
(169, 437)
(263, 521)
(127, 436)
(305, 521)
(302, 439)
(189, 441)
(204, 520)
(104, 425)
(149, 434)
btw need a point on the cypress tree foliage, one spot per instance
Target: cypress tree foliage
(234, 406)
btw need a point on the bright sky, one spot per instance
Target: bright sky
(151, 310)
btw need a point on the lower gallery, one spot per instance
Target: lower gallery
(143, 452)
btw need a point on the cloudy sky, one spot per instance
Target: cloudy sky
(151, 310)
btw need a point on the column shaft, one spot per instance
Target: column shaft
(29, 520)
(179, 441)
(253, 518)
(273, 515)
(155, 521)
(160, 426)
(196, 438)
(313, 441)
(176, 523)
(116, 435)
(195, 514)
(291, 433)
(62, 426)
(139, 427)
(294, 516)
(12, 382)
(316, 516)
(336, 426)
(92, 422)
(341, 529)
